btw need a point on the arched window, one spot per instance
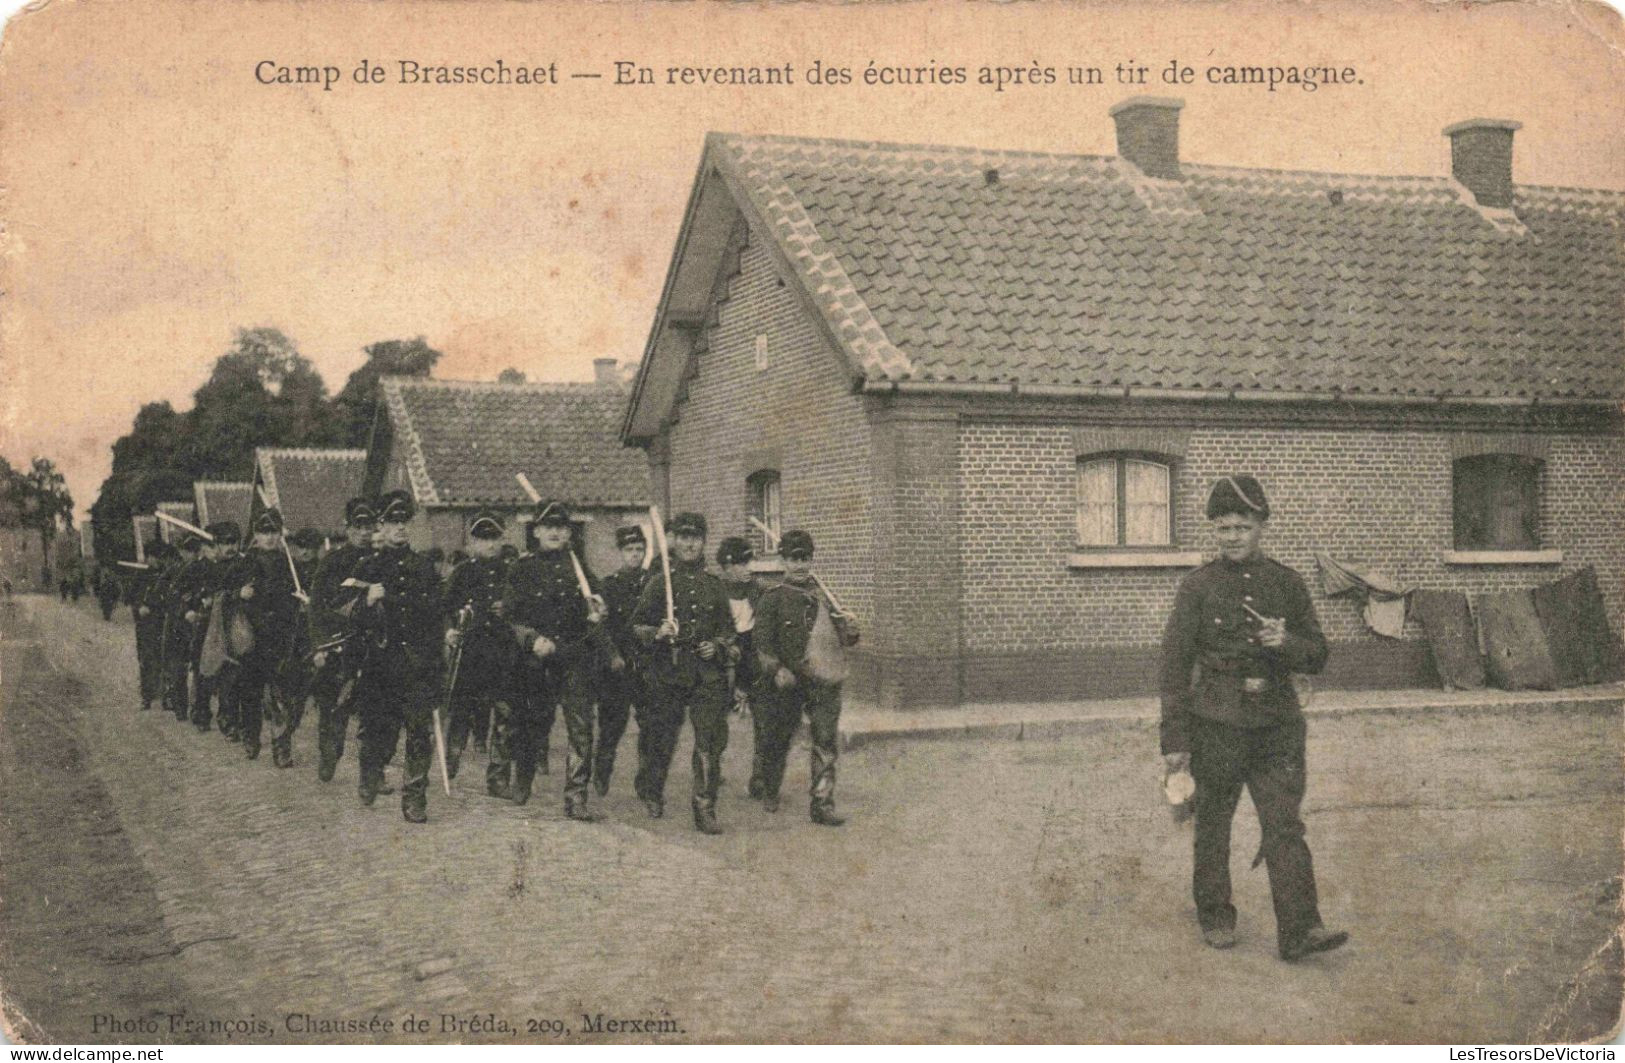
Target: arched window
(762, 503)
(1496, 502)
(1124, 500)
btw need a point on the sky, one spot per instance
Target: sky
(156, 195)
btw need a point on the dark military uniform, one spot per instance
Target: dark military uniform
(401, 677)
(619, 688)
(145, 593)
(787, 618)
(338, 646)
(291, 683)
(1242, 725)
(679, 680)
(543, 600)
(485, 657)
(263, 575)
(185, 587)
(107, 591)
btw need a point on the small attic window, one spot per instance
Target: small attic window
(761, 352)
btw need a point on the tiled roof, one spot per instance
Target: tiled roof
(219, 500)
(310, 486)
(464, 442)
(975, 268)
(180, 511)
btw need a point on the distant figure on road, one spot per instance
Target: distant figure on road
(1241, 626)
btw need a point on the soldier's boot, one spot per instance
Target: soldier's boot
(823, 814)
(578, 810)
(371, 783)
(415, 800)
(496, 780)
(654, 806)
(705, 818)
(453, 757)
(326, 766)
(541, 760)
(524, 775)
(770, 802)
(282, 751)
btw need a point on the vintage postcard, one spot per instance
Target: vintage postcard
(556, 523)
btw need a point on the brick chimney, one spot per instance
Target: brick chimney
(605, 374)
(1148, 134)
(1481, 158)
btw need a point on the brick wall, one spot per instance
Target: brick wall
(1371, 498)
(799, 415)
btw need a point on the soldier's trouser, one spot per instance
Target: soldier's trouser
(542, 691)
(396, 696)
(149, 633)
(482, 677)
(617, 693)
(706, 703)
(290, 688)
(780, 712)
(254, 675)
(1269, 762)
(225, 689)
(334, 704)
(177, 669)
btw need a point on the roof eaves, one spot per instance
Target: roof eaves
(417, 468)
(824, 285)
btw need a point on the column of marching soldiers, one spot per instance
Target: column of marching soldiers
(239, 637)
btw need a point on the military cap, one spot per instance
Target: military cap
(734, 551)
(551, 511)
(687, 523)
(269, 520)
(396, 507)
(1237, 494)
(225, 531)
(628, 534)
(487, 524)
(360, 512)
(306, 539)
(796, 545)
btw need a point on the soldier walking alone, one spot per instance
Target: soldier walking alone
(1242, 625)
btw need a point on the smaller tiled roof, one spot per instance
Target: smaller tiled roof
(310, 486)
(464, 441)
(219, 500)
(180, 511)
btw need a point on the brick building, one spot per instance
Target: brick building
(996, 387)
(309, 486)
(457, 445)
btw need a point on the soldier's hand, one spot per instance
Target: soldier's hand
(617, 663)
(706, 650)
(375, 593)
(453, 637)
(596, 610)
(498, 607)
(784, 679)
(543, 646)
(191, 617)
(1273, 633)
(320, 660)
(1176, 761)
(667, 630)
(302, 596)
(143, 611)
(246, 593)
(741, 703)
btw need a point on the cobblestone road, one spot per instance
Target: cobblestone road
(983, 889)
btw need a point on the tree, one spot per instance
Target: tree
(357, 401)
(37, 498)
(260, 393)
(510, 375)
